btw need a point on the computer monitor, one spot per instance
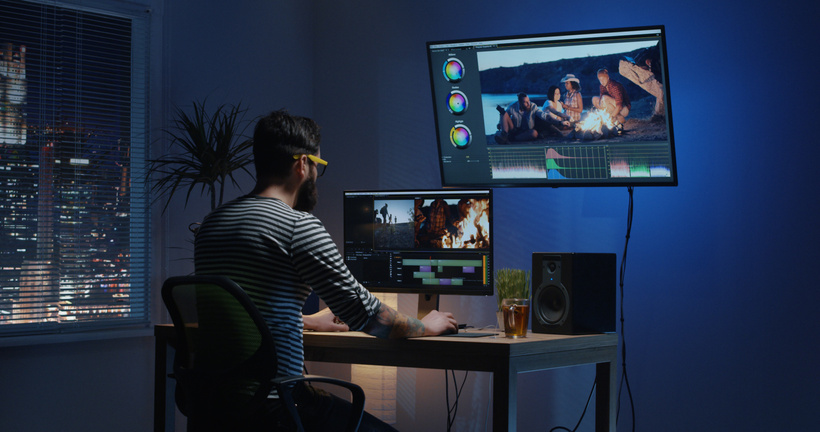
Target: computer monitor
(476, 81)
(429, 242)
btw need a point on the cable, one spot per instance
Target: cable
(589, 398)
(624, 376)
(451, 411)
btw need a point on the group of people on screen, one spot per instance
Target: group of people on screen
(523, 120)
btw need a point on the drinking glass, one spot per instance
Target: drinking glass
(516, 313)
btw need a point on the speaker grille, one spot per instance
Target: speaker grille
(552, 303)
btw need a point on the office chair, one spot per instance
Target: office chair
(225, 362)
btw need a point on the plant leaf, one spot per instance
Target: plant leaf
(204, 150)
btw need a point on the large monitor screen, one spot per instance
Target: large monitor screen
(431, 242)
(573, 109)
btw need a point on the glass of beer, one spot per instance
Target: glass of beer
(516, 313)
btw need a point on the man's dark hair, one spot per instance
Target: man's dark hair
(574, 85)
(277, 138)
(522, 95)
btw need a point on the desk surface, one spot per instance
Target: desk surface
(460, 353)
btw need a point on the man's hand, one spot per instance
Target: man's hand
(324, 321)
(436, 323)
(390, 324)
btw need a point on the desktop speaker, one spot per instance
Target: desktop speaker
(573, 293)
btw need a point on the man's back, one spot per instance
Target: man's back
(276, 254)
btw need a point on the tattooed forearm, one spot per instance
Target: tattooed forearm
(389, 323)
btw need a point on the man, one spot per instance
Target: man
(518, 121)
(384, 213)
(439, 216)
(271, 246)
(613, 98)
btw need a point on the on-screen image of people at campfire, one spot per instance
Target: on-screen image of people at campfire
(615, 93)
(452, 223)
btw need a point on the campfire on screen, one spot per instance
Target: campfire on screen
(598, 124)
(473, 226)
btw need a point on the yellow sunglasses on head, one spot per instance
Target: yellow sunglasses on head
(317, 160)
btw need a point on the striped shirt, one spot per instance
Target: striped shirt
(277, 254)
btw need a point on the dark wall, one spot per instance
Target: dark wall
(78, 386)
(255, 54)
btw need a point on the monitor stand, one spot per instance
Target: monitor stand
(427, 304)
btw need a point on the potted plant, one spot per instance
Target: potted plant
(512, 285)
(205, 151)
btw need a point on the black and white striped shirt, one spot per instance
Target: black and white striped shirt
(277, 254)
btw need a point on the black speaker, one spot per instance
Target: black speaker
(573, 293)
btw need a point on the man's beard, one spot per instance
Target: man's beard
(308, 196)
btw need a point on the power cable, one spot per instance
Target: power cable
(452, 410)
(624, 377)
(589, 398)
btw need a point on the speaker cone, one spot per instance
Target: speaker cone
(552, 302)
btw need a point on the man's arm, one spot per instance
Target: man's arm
(321, 266)
(618, 95)
(324, 321)
(390, 324)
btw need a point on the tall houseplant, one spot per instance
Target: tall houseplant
(205, 151)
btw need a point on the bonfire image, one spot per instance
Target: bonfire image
(598, 124)
(452, 224)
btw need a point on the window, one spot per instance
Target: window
(73, 132)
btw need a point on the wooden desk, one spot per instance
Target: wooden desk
(505, 358)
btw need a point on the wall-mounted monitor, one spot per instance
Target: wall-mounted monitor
(585, 108)
(420, 241)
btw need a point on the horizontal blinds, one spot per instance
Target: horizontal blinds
(73, 132)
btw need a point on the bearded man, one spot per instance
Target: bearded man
(269, 244)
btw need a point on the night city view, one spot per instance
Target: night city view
(72, 206)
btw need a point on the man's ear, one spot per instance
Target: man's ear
(300, 168)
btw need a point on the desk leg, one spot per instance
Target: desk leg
(606, 396)
(164, 403)
(505, 398)
(160, 353)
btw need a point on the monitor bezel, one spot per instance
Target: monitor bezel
(429, 290)
(554, 183)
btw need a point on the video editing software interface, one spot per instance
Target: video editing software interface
(433, 242)
(474, 82)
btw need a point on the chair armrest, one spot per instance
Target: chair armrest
(285, 385)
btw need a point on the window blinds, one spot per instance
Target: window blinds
(73, 145)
